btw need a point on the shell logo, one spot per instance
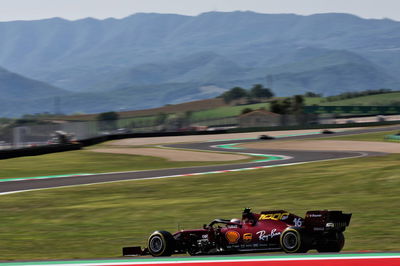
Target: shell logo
(232, 237)
(247, 237)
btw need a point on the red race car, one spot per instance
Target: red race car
(255, 232)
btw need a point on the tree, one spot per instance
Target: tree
(258, 91)
(246, 110)
(161, 117)
(282, 107)
(107, 120)
(276, 107)
(297, 104)
(234, 94)
(311, 94)
(238, 93)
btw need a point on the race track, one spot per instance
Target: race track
(285, 158)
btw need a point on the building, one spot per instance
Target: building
(259, 118)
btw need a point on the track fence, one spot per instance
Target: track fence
(29, 135)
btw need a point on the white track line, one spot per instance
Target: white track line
(143, 262)
(361, 154)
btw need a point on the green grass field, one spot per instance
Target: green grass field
(147, 118)
(97, 221)
(78, 162)
(213, 108)
(226, 111)
(380, 136)
(230, 111)
(370, 100)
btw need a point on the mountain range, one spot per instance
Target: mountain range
(149, 60)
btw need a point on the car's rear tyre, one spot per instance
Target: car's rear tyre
(333, 243)
(161, 243)
(293, 240)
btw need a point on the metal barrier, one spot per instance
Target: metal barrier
(393, 137)
(39, 135)
(43, 134)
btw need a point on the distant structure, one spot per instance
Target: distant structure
(57, 105)
(259, 118)
(270, 81)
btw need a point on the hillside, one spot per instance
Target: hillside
(14, 86)
(372, 100)
(131, 98)
(73, 55)
(216, 108)
(149, 60)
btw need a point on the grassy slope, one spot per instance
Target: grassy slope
(212, 113)
(96, 221)
(227, 111)
(378, 99)
(74, 162)
(217, 109)
(379, 136)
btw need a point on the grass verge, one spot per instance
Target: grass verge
(379, 136)
(97, 221)
(74, 162)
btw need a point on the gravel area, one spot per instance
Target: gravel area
(182, 155)
(202, 138)
(328, 145)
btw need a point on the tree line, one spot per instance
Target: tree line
(355, 94)
(257, 92)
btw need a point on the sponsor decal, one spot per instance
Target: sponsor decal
(232, 237)
(263, 236)
(204, 236)
(314, 215)
(274, 216)
(247, 237)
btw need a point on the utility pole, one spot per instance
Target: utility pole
(57, 105)
(270, 81)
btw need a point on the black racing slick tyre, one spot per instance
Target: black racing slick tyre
(161, 243)
(334, 243)
(293, 240)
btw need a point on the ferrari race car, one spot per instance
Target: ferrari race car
(255, 232)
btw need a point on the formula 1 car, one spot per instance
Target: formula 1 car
(255, 232)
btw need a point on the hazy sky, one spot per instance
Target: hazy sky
(76, 9)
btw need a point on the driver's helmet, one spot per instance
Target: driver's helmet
(247, 216)
(234, 220)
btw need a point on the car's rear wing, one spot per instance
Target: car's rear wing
(326, 220)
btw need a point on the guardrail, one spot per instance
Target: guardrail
(52, 148)
(393, 137)
(316, 126)
(38, 150)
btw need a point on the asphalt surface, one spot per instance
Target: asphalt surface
(292, 157)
